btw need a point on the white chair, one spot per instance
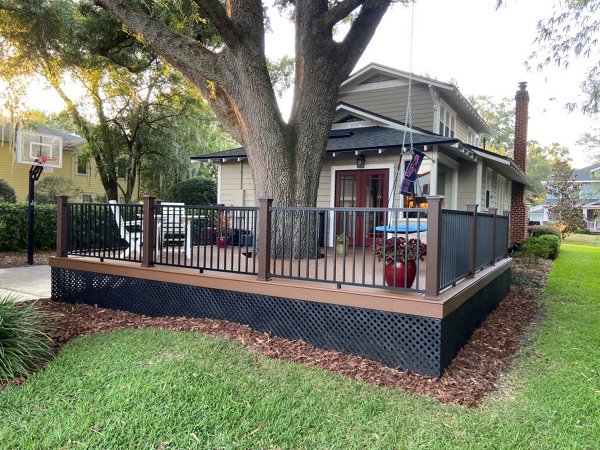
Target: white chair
(133, 238)
(171, 224)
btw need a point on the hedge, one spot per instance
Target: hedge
(14, 224)
(195, 191)
(541, 230)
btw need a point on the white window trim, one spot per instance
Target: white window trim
(87, 168)
(444, 110)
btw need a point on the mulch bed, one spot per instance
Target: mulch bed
(19, 259)
(474, 373)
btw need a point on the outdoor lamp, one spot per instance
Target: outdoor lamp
(360, 162)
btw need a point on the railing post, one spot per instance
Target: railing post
(62, 224)
(472, 239)
(264, 238)
(148, 231)
(434, 235)
(507, 214)
(494, 212)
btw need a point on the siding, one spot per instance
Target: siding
(237, 185)
(467, 185)
(17, 175)
(392, 102)
(462, 129)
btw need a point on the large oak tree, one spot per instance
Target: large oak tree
(231, 71)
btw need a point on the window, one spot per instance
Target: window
(447, 122)
(473, 138)
(86, 198)
(82, 166)
(121, 169)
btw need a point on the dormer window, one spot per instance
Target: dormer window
(447, 122)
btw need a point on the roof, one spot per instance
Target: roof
(355, 139)
(589, 173)
(448, 92)
(503, 164)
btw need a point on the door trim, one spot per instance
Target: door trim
(389, 166)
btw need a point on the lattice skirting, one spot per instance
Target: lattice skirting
(418, 344)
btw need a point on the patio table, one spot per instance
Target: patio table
(403, 228)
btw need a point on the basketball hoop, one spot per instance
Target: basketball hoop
(46, 163)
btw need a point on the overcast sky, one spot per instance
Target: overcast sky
(469, 42)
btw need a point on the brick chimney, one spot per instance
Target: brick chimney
(518, 211)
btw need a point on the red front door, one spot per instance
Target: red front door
(360, 189)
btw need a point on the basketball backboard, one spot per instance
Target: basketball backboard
(39, 149)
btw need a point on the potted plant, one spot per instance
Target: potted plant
(340, 244)
(400, 258)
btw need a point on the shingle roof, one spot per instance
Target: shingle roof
(367, 138)
(588, 173)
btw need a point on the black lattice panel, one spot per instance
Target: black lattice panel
(398, 340)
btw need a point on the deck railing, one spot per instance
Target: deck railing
(298, 243)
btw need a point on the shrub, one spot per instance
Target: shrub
(553, 243)
(13, 227)
(541, 230)
(7, 193)
(24, 342)
(195, 191)
(49, 187)
(583, 231)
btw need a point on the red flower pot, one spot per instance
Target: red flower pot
(401, 270)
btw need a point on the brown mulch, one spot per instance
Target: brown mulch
(19, 259)
(474, 373)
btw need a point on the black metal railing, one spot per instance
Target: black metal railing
(484, 240)
(218, 238)
(454, 251)
(340, 245)
(106, 231)
(501, 247)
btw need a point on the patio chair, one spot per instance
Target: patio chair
(129, 230)
(171, 224)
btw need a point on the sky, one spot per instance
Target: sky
(465, 41)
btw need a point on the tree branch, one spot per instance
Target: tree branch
(223, 108)
(186, 54)
(216, 14)
(341, 11)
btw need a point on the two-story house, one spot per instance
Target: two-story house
(369, 147)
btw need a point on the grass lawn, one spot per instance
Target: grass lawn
(161, 389)
(583, 239)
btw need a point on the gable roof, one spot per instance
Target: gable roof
(375, 72)
(70, 141)
(589, 173)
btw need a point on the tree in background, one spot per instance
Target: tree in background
(131, 96)
(50, 186)
(566, 213)
(222, 53)
(501, 119)
(195, 191)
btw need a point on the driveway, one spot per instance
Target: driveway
(27, 283)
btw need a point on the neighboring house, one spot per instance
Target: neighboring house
(368, 149)
(588, 180)
(84, 175)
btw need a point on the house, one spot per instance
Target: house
(369, 148)
(588, 179)
(83, 174)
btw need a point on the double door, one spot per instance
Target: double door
(360, 189)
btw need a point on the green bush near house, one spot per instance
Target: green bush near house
(553, 243)
(541, 230)
(49, 187)
(24, 342)
(14, 224)
(195, 191)
(7, 193)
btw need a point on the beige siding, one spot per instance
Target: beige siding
(462, 129)
(237, 186)
(467, 185)
(391, 102)
(17, 175)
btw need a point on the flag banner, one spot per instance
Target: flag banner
(408, 182)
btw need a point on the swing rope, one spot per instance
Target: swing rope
(408, 117)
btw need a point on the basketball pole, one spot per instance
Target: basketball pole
(34, 175)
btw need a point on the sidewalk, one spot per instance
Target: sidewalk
(26, 283)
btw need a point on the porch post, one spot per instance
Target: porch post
(148, 231)
(507, 214)
(434, 234)
(494, 212)
(264, 238)
(472, 239)
(62, 226)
